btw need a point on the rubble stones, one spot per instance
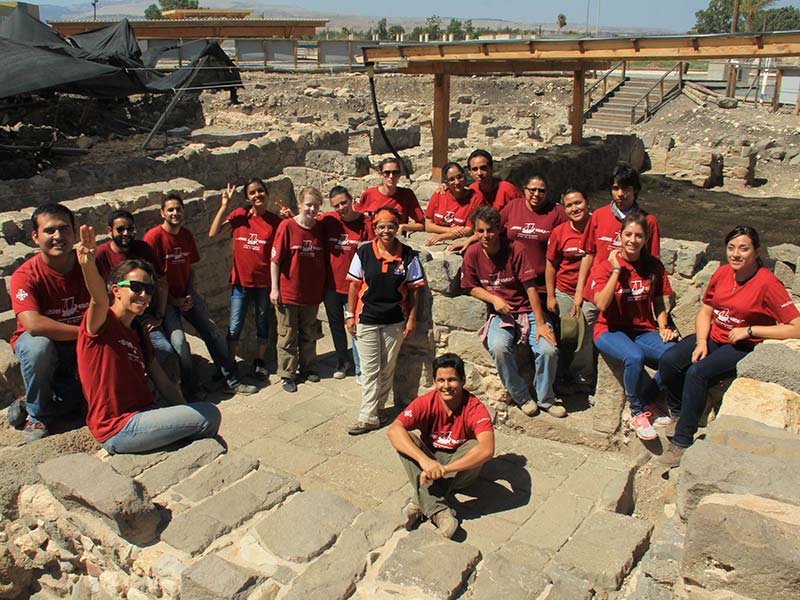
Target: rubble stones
(79, 480)
(772, 363)
(744, 544)
(213, 578)
(709, 468)
(279, 532)
(605, 548)
(426, 561)
(768, 403)
(786, 253)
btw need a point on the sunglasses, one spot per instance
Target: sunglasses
(388, 173)
(124, 228)
(137, 287)
(534, 190)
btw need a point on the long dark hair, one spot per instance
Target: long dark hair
(647, 261)
(749, 232)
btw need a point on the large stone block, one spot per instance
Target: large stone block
(214, 578)
(5, 298)
(512, 573)
(773, 363)
(219, 474)
(8, 324)
(179, 465)
(709, 468)
(746, 545)
(767, 403)
(331, 161)
(11, 385)
(685, 312)
(467, 345)
(609, 396)
(703, 276)
(443, 274)
(754, 437)
(79, 480)
(605, 548)
(784, 272)
(400, 137)
(690, 258)
(430, 563)
(461, 312)
(787, 253)
(324, 516)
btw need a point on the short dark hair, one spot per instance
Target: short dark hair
(449, 361)
(744, 230)
(573, 190)
(119, 272)
(487, 214)
(481, 153)
(449, 166)
(391, 159)
(257, 180)
(625, 175)
(52, 209)
(339, 189)
(120, 213)
(171, 197)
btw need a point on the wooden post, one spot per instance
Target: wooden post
(777, 93)
(577, 106)
(441, 122)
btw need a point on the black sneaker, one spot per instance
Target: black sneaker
(260, 370)
(17, 414)
(289, 385)
(310, 377)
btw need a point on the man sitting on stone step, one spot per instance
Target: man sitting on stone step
(176, 251)
(456, 439)
(49, 297)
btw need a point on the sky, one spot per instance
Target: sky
(672, 15)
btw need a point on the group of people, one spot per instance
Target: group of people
(101, 327)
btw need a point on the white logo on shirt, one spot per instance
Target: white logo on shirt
(449, 216)
(408, 413)
(177, 255)
(22, 295)
(637, 287)
(69, 307)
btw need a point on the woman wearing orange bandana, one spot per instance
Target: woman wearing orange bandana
(382, 308)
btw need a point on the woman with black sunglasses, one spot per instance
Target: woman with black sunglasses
(116, 359)
(388, 193)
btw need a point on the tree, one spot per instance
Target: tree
(433, 26)
(454, 27)
(785, 18)
(153, 13)
(469, 31)
(561, 21)
(383, 33)
(751, 9)
(716, 18)
(395, 31)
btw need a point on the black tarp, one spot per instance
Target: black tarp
(103, 63)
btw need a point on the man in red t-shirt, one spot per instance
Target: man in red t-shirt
(456, 439)
(497, 192)
(49, 298)
(176, 251)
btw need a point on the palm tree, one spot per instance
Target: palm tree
(752, 7)
(561, 20)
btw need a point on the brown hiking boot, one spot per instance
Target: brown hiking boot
(672, 456)
(446, 523)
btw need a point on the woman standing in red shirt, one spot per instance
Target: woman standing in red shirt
(629, 288)
(744, 304)
(447, 215)
(116, 360)
(388, 193)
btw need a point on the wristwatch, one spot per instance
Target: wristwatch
(348, 314)
(750, 331)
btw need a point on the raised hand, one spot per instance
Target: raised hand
(86, 246)
(227, 194)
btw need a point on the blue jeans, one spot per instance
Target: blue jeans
(150, 429)
(240, 300)
(335, 303)
(687, 382)
(50, 373)
(199, 319)
(635, 350)
(501, 341)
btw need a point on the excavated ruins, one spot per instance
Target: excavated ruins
(286, 505)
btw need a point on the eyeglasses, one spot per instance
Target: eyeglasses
(389, 173)
(455, 178)
(137, 287)
(124, 228)
(480, 168)
(387, 226)
(536, 190)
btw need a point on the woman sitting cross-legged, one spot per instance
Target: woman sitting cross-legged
(629, 289)
(116, 358)
(744, 304)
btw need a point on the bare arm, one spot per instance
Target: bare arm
(462, 245)
(662, 318)
(413, 301)
(275, 292)
(475, 456)
(165, 386)
(219, 225)
(702, 329)
(550, 282)
(352, 300)
(583, 274)
(781, 331)
(97, 313)
(542, 330)
(500, 305)
(602, 299)
(406, 227)
(36, 323)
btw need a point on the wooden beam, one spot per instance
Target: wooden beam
(441, 122)
(578, 83)
(471, 67)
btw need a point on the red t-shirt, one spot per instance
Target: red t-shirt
(37, 287)
(252, 237)
(761, 300)
(341, 241)
(300, 254)
(176, 255)
(602, 234)
(532, 230)
(504, 193)
(441, 431)
(113, 372)
(631, 308)
(404, 200)
(565, 251)
(445, 210)
(107, 260)
(502, 274)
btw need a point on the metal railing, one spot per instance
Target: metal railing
(606, 85)
(651, 107)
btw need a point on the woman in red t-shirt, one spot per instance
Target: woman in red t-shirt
(116, 359)
(388, 193)
(564, 254)
(298, 279)
(744, 304)
(629, 288)
(252, 230)
(447, 215)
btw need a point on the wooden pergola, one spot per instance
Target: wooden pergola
(562, 55)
